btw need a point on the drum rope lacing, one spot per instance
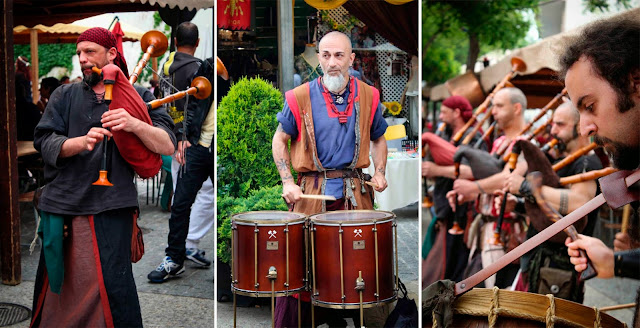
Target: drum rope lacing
(551, 311)
(596, 324)
(495, 310)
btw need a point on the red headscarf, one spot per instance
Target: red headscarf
(103, 37)
(461, 103)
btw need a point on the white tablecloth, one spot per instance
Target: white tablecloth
(402, 175)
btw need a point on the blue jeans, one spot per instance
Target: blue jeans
(200, 166)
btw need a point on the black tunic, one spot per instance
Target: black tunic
(71, 112)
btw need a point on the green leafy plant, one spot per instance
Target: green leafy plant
(263, 199)
(49, 55)
(246, 123)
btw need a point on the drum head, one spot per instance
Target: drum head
(352, 217)
(268, 217)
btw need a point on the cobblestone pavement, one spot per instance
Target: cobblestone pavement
(407, 219)
(186, 301)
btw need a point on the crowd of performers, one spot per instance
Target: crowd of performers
(485, 203)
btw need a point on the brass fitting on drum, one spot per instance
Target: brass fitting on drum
(273, 273)
(359, 283)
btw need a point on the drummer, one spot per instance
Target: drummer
(330, 138)
(601, 68)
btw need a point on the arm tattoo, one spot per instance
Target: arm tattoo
(283, 167)
(564, 202)
(282, 164)
(381, 170)
(287, 177)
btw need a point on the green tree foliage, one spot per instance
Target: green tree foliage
(263, 199)
(49, 55)
(246, 123)
(453, 29)
(456, 32)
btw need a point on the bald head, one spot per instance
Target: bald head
(567, 109)
(335, 56)
(565, 127)
(516, 96)
(336, 38)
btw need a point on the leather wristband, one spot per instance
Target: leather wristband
(627, 263)
(525, 191)
(520, 209)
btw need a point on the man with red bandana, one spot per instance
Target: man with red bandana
(85, 276)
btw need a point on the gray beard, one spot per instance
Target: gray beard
(333, 83)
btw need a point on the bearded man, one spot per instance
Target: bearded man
(85, 277)
(331, 122)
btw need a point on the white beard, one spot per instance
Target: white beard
(333, 83)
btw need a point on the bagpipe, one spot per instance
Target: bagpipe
(538, 162)
(120, 93)
(442, 151)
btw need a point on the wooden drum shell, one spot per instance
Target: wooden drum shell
(358, 253)
(271, 251)
(519, 309)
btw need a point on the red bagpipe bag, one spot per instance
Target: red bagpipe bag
(143, 161)
(441, 150)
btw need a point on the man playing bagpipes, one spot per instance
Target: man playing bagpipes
(548, 265)
(601, 68)
(85, 276)
(508, 111)
(454, 112)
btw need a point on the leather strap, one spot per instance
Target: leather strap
(335, 174)
(467, 284)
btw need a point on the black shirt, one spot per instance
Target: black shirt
(72, 111)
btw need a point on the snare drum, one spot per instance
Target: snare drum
(266, 246)
(346, 245)
(481, 307)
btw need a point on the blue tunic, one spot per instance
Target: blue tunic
(335, 142)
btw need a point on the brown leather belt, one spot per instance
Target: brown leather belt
(615, 189)
(335, 174)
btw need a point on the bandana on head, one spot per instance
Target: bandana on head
(103, 37)
(461, 103)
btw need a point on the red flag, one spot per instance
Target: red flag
(234, 14)
(118, 33)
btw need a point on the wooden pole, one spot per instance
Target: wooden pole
(9, 210)
(35, 91)
(285, 46)
(154, 64)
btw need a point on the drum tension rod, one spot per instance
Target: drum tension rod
(360, 289)
(340, 231)
(273, 275)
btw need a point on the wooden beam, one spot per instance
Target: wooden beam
(285, 46)
(9, 210)
(35, 90)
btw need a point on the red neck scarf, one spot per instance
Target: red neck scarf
(328, 99)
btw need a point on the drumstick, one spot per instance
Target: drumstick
(318, 197)
(371, 184)
(617, 307)
(626, 211)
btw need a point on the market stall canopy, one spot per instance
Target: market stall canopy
(539, 82)
(395, 20)
(333, 4)
(65, 33)
(49, 12)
